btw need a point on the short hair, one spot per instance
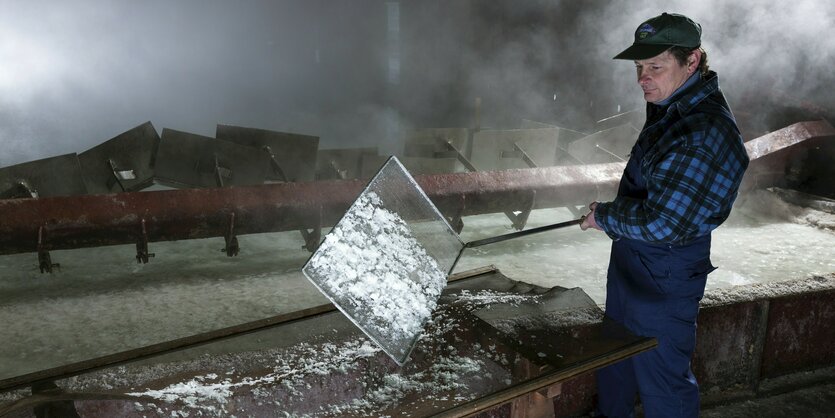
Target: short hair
(682, 52)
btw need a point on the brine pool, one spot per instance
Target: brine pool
(101, 301)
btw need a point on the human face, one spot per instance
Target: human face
(661, 75)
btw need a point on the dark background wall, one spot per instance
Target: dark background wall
(359, 72)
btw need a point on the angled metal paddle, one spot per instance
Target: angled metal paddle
(386, 262)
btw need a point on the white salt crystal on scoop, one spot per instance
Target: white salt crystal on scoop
(374, 270)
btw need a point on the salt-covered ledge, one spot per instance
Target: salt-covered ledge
(758, 291)
(750, 334)
(750, 337)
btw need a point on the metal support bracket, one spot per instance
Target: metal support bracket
(19, 190)
(221, 172)
(581, 210)
(313, 237)
(456, 221)
(232, 249)
(274, 164)
(44, 259)
(142, 254)
(562, 151)
(340, 174)
(609, 153)
(577, 212)
(64, 408)
(461, 158)
(518, 152)
(521, 219)
(115, 179)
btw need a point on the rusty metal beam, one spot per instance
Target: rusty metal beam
(774, 155)
(484, 403)
(141, 217)
(786, 137)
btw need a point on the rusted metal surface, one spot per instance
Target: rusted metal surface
(801, 334)
(786, 137)
(752, 337)
(576, 396)
(775, 155)
(499, 191)
(582, 349)
(728, 343)
(88, 221)
(84, 221)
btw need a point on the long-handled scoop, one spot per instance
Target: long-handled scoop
(386, 262)
(517, 234)
(505, 237)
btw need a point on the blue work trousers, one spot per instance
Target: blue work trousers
(654, 291)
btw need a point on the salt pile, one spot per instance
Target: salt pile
(290, 374)
(379, 275)
(282, 381)
(492, 296)
(449, 376)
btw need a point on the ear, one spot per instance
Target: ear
(693, 61)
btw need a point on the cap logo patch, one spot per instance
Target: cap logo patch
(645, 30)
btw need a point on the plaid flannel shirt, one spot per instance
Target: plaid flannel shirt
(693, 163)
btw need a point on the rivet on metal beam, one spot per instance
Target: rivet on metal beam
(232, 249)
(44, 259)
(142, 254)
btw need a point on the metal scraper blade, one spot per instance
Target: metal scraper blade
(385, 263)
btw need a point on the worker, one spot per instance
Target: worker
(679, 184)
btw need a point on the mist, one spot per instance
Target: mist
(361, 73)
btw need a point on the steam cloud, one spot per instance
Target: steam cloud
(75, 74)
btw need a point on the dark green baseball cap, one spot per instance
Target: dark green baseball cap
(660, 33)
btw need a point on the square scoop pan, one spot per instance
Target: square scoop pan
(385, 263)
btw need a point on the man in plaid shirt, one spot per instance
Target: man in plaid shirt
(679, 184)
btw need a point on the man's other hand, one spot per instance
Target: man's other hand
(588, 219)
